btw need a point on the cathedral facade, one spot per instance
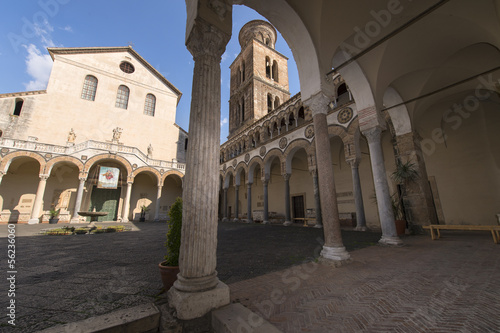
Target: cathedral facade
(81, 144)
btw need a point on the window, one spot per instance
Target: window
(19, 107)
(89, 88)
(186, 144)
(269, 103)
(276, 102)
(242, 110)
(243, 72)
(149, 106)
(122, 97)
(268, 67)
(127, 67)
(275, 71)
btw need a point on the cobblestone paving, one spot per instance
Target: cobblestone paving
(448, 285)
(63, 279)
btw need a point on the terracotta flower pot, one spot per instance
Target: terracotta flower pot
(400, 227)
(168, 274)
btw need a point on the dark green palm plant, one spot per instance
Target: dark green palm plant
(173, 243)
(405, 172)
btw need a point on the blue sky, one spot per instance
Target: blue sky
(155, 28)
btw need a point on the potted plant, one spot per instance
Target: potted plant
(144, 210)
(54, 213)
(169, 268)
(402, 175)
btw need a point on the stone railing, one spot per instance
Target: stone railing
(90, 144)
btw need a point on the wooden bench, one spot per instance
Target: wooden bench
(305, 219)
(495, 229)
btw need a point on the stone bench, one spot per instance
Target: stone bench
(435, 229)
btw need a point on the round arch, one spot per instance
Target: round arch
(7, 160)
(73, 160)
(101, 157)
(172, 173)
(268, 161)
(252, 164)
(147, 169)
(292, 148)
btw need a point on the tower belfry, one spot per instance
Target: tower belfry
(259, 76)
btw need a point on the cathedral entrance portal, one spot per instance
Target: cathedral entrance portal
(105, 200)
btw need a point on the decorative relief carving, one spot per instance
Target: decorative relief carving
(262, 151)
(234, 163)
(344, 116)
(218, 7)
(247, 157)
(283, 142)
(224, 167)
(5, 150)
(309, 132)
(48, 156)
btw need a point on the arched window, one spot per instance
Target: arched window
(301, 113)
(238, 79)
(275, 71)
(242, 110)
(243, 71)
(122, 97)
(19, 107)
(149, 105)
(342, 94)
(268, 67)
(1, 133)
(89, 88)
(276, 102)
(269, 103)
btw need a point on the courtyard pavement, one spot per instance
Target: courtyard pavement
(449, 285)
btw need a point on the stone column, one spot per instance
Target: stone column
(224, 205)
(78, 201)
(384, 204)
(197, 289)
(265, 183)
(358, 195)
(236, 203)
(249, 203)
(157, 207)
(288, 219)
(37, 206)
(126, 203)
(317, 200)
(333, 249)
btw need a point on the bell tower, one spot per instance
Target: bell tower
(259, 76)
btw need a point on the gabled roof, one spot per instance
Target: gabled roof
(129, 49)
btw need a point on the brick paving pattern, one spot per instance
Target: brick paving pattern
(449, 285)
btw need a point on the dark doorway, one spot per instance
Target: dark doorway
(298, 207)
(105, 200)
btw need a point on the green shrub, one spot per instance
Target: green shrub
(173, 243)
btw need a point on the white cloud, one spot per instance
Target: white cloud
(38, 66)
(67, 28)
(224, 57)
(223, 122)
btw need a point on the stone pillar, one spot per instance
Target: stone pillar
(224, 205)
(126, 203)
(384, 203)
(157, 207)
(78, 201)
(249, 203)
(358, 195)
(37, 206)
(236, 203)
(333, 249)
(317, 200)
(197, 289)
(265, 183)
(288, 218)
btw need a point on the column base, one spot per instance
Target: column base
(335, 253)
(266, 222)
(236, 220)
(390, 240)
(318, 226)
(225, 219)
(191, 305)
(361, 228)
(249, 220)
(287, 223)
(33, 221)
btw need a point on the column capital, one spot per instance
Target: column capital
(159, 186)
(130, 182)
(373, 134)
(206, 41)
(43, 177)
(236, 186)
(318, 103)
(249, 184)
(265, 181)
(353, 162)
(313, 172)
(82, 179)
(287, 176)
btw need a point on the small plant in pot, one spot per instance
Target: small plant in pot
(144, 210)
(404, 174)
(54, 213)
(169, 268)
(397, 209)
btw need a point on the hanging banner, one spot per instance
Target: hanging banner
(108, 177)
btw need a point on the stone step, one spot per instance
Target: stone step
(138, 319)
(238, 319)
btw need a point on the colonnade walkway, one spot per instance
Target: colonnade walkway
(425, 286)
